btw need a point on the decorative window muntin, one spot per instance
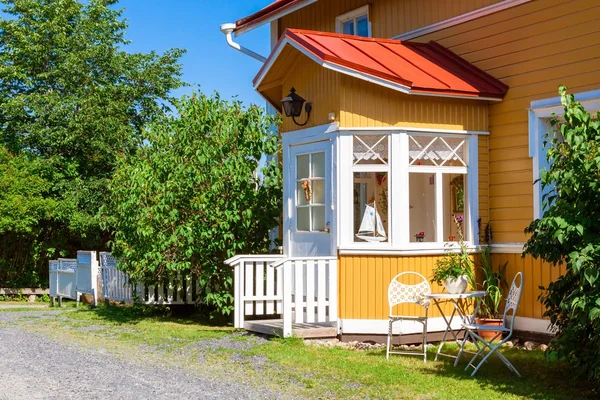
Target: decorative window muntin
(310, 192)
(438, 150)
(370, 149)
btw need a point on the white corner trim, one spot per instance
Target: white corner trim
(380, 326)
(507, 248)
(438, 26)
(533, 325)
(275, 17)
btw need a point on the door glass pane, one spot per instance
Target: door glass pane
(318, 191)
(348, 27)
(370, 207)
(454, 206)
(303, 218)
(422, 223)
(303, 166)
(362, 26)
(318, 218)
(301, 193)
(318, 161)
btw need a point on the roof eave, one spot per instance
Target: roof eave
(268, 15)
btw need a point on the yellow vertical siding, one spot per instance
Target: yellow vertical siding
(364, 280)
(535, 273)
(388, 17)
(533, 48)
(363, 283)
(363, 104)
(319, 86)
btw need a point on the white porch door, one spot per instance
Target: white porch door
(309, 197)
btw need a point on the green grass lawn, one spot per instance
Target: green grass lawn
(291, 367)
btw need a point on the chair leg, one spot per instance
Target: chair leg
(462, 347)
(389, 339)
(425, 335)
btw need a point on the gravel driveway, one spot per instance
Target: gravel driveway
(35, 366)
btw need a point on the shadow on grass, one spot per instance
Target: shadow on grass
(540, 378)
(134, 314)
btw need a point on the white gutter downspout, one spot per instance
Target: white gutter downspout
(227, 29)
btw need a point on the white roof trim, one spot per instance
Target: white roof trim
(459, 19)
(274, 17)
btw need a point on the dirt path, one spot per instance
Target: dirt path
(36, 366)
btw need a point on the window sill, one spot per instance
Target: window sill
(414, 249)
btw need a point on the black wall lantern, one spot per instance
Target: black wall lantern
(292, 105)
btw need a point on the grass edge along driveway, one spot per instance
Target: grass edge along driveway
(294, 369)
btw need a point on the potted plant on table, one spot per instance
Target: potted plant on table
(493, 282)
(455, 269)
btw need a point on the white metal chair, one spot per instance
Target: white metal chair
(399, 293)
(471, 330)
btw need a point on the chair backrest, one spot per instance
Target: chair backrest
(399, 292)
(512, 301)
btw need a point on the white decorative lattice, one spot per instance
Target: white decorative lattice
(370, 149)
(401, 293)
(53, 265)
(107, 260)
(437, 150)
(66, 265)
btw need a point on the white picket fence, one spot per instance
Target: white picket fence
(86, 274)
(301, 290)
(63, 278)
(117, 286)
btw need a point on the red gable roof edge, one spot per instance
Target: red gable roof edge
(422, 68)
(274, 10)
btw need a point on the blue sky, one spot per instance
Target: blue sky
(194, 25)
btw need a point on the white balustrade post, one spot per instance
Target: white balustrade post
(299, 290)
(95, 269)
(333, 290)
(287, 298)
(237, 294)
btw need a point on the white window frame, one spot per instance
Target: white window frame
(353, 15)
(540, 114)
(398, 196)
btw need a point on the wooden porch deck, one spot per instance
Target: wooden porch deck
(274, 327)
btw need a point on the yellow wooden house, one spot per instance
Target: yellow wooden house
(426, 111)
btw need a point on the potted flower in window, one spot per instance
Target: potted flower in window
(493, 282)
(455, 269)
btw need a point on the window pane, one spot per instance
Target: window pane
(303, 166)
(422, 207)
(318, 164)
(302, 193)
(348, 27)
(370, 206)
(454, 206)
(303, 218)
(318, 218)
(362, 26)
(370, 149)
(437, 150)
(318, 191)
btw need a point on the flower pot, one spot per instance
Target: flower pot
(488, 335)
(456, 285)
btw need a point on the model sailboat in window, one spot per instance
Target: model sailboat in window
(371, 228)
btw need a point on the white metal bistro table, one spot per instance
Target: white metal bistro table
(458, 310)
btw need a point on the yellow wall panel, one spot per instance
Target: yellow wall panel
(364, 280)
(388, 17)
(533, 48)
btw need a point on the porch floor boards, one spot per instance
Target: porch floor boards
(274, 327)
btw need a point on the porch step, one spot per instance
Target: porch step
(274, 327)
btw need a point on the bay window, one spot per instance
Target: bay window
(410, 189)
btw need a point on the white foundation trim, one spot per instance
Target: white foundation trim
(507, 248)
(380, 326)
(482, 12)
(532, 325)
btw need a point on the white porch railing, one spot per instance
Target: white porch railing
(300, 289)
(62, 278)
(86, 274)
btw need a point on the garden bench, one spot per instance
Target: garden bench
(31, 293)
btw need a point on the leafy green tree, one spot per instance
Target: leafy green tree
(569, 233)
(74, 99)
(191, 196)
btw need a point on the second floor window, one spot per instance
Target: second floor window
(355, 22)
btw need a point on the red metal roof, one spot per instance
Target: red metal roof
(270, 11)
(420, 68)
